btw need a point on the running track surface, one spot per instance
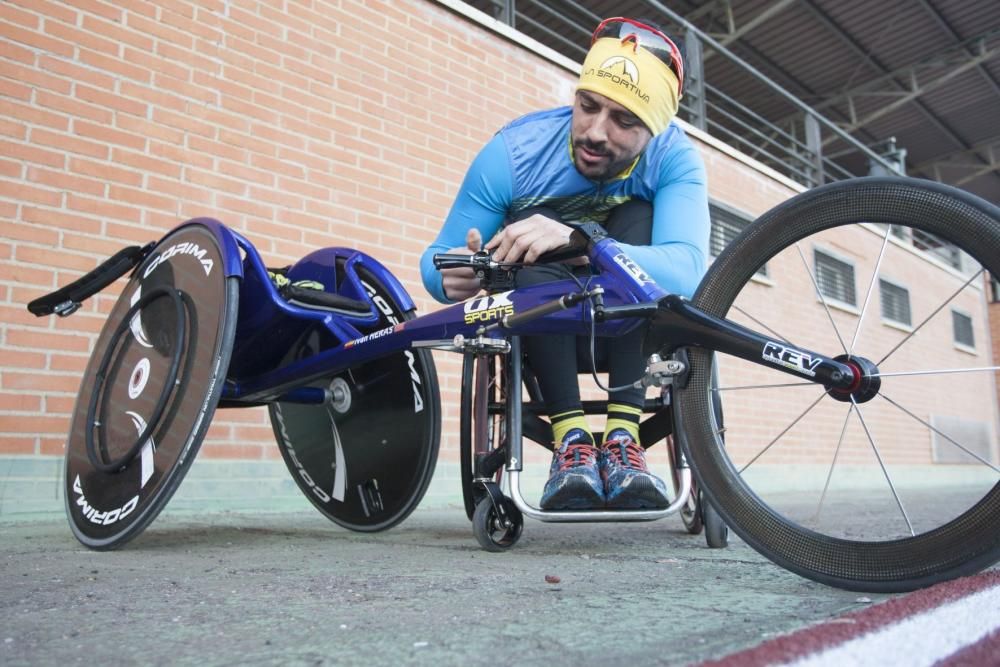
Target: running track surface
(953, 624)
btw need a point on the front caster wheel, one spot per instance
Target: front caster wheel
(497, 528)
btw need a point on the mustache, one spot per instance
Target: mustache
(598, 148)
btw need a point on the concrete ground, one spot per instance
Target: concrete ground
(260, 588)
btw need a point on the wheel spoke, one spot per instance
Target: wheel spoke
(929, 317)
(942, 434)
(871, 287)
(940, 371)
(762, 325)
(783, 432)
(881, 463)
(822, 298)
(766, 386)
(833, 463)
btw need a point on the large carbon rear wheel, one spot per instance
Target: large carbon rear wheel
(365, 459)
(888, 489)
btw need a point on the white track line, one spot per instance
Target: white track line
(919, 640)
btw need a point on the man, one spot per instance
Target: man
(615, 158)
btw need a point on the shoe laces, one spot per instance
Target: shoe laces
(627, 454)
(577, 455)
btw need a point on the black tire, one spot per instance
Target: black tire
(886, 555)
(691, 510)
(150, 389)
(493, 532)
(716, 530)
(365, 464)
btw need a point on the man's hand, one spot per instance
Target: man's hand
(459, 284)
(526, 240)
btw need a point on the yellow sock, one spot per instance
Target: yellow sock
(564, 422)
(623, 416)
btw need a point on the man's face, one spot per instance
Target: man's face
(606, 136)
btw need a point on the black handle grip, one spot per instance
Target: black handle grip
(452, 261)
(65, 300)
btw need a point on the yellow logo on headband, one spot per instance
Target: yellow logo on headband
(629, 68)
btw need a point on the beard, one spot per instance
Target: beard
(607, 167)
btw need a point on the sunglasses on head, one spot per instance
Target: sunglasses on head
(649, 38)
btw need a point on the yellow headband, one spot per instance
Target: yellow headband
(634, 78)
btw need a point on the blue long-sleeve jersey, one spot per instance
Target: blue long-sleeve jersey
(529, 163)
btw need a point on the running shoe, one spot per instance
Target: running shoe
(628, 484)
(574, 481)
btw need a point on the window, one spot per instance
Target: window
(994, 289)
(895, 302)
(727, 224)
(835, 278)
(961, 325)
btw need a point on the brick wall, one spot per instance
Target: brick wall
(119, 120)
(282, 119)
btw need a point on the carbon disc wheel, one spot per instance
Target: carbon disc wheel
(150, 388)
(365, 459)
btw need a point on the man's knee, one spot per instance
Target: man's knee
(631, 222)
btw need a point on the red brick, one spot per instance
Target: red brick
(15, 15)
(129, 234)
(111, 100)
(84, 39)
(31, 75)
(154, 96)
(182, 191)
(153, 28)
(155, 63)
(14, 129)
(144, 162)
(186, 24)
(105, 172)
(183, 122)
(70, 107)
(19, 402)
(149, 129)
(53, 446)
(44, 341)
(11, 169)
(114, 31)
(100, 246)
(16, 445)
(108, 10)
(189, 58)
(103, 208)
(53, 220)
(63, 181)
(12, 51)
(32, 114)
(71, 72)
(63, 405)
(28, 193)
(41, 42)
(245, 206)
(188, 91)
(141, 197)
(32, 154)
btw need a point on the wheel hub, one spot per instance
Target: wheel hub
(866, 383)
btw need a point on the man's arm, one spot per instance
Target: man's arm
(482, 203)
(677, 256)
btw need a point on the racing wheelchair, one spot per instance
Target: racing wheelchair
(347, 374)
